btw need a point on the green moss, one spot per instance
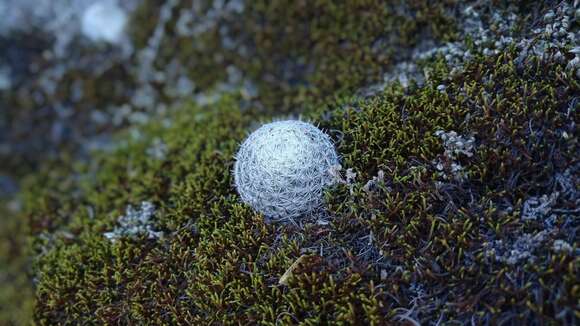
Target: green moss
(16, 293)
(433, 230)
(415, 241)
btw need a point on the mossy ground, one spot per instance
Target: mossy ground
(414, 244)
(413, 247)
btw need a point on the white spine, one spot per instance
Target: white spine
(283, 167)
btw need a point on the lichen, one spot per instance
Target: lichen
(135, 222)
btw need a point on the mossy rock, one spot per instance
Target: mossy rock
(412, 246)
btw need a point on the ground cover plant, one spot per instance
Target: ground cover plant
(410, 237)
(456, 200)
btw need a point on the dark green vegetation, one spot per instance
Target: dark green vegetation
(412, 245)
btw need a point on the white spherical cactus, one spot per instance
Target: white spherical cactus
(283, 167)
(104, 21)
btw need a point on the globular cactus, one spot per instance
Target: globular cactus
(283, 167)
